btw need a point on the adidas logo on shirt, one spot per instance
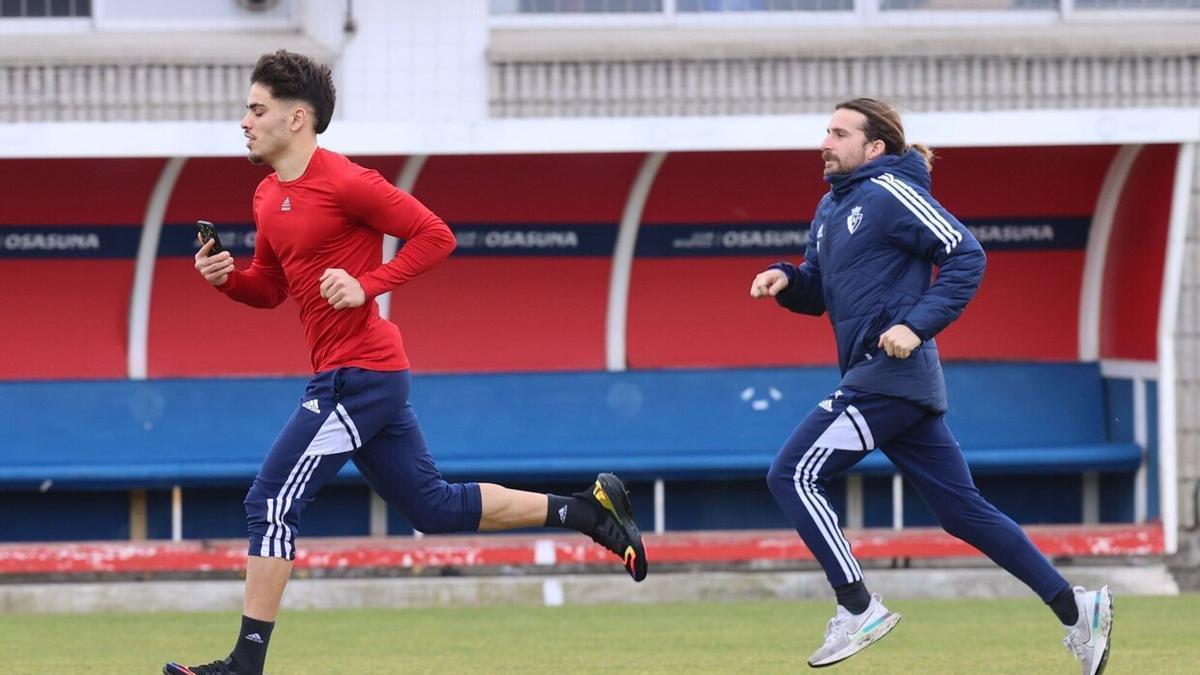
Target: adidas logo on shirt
(312, 405)
(562, 514)
(253, 637)
(286, 205)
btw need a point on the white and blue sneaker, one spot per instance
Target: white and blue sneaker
(1088, 639)
(848, 634)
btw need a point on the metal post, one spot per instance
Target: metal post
(660, 506)
(176, 513)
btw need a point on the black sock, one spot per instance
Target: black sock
(250, 653)
(1064, 607)
(854, 597)
(573, 513)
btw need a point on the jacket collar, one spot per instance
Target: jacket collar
(910, 167)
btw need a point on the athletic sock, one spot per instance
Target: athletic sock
(250, 653)
(1064, 607)
(854, 597)
(573, 513)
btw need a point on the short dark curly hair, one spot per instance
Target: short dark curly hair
(296, 77)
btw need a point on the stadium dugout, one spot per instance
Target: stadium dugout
(524, 387)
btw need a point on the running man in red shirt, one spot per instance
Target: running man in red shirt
(320, 223)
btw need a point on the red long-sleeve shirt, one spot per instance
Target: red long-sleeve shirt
(335, 216)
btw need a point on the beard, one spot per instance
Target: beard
(841, 166)
(254, 158)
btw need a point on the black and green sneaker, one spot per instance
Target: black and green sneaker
(616, 529)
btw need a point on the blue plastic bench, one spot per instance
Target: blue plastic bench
(1009, 418)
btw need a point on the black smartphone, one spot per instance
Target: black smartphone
(207, 231)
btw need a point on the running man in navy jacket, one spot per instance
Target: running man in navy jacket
(875, 238)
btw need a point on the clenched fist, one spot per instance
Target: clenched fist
(899, 341)
(768, 284)
(341, 289)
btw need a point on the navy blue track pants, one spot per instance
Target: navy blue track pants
(841, 430)
(364, 416)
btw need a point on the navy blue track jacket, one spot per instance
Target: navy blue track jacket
(874, 241)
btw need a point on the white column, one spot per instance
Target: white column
(143, 271)
(1168, 316)
(622, 266)
(1097, 251)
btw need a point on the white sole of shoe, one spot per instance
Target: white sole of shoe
(876, 635)
(1105, 631)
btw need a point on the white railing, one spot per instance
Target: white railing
(669, 87)
(121, 92)
(763, 86)
(506, 13)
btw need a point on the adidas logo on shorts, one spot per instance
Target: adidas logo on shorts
(312, 405)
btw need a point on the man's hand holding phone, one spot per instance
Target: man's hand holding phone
(214, 267)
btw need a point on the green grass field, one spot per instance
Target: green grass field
(1150, 636)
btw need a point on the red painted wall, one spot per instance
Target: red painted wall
(67, 317)
(697, 311)
(1136, 250)
(515, 313)
(1028, 305)
(493, 313)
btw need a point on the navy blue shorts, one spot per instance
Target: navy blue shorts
(364, 416)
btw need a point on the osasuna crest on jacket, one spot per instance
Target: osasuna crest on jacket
(876, 271)
(854, 219)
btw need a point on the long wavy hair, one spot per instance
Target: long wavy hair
(883, 124)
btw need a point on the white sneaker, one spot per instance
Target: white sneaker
(848, 634)
(1088, 638)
